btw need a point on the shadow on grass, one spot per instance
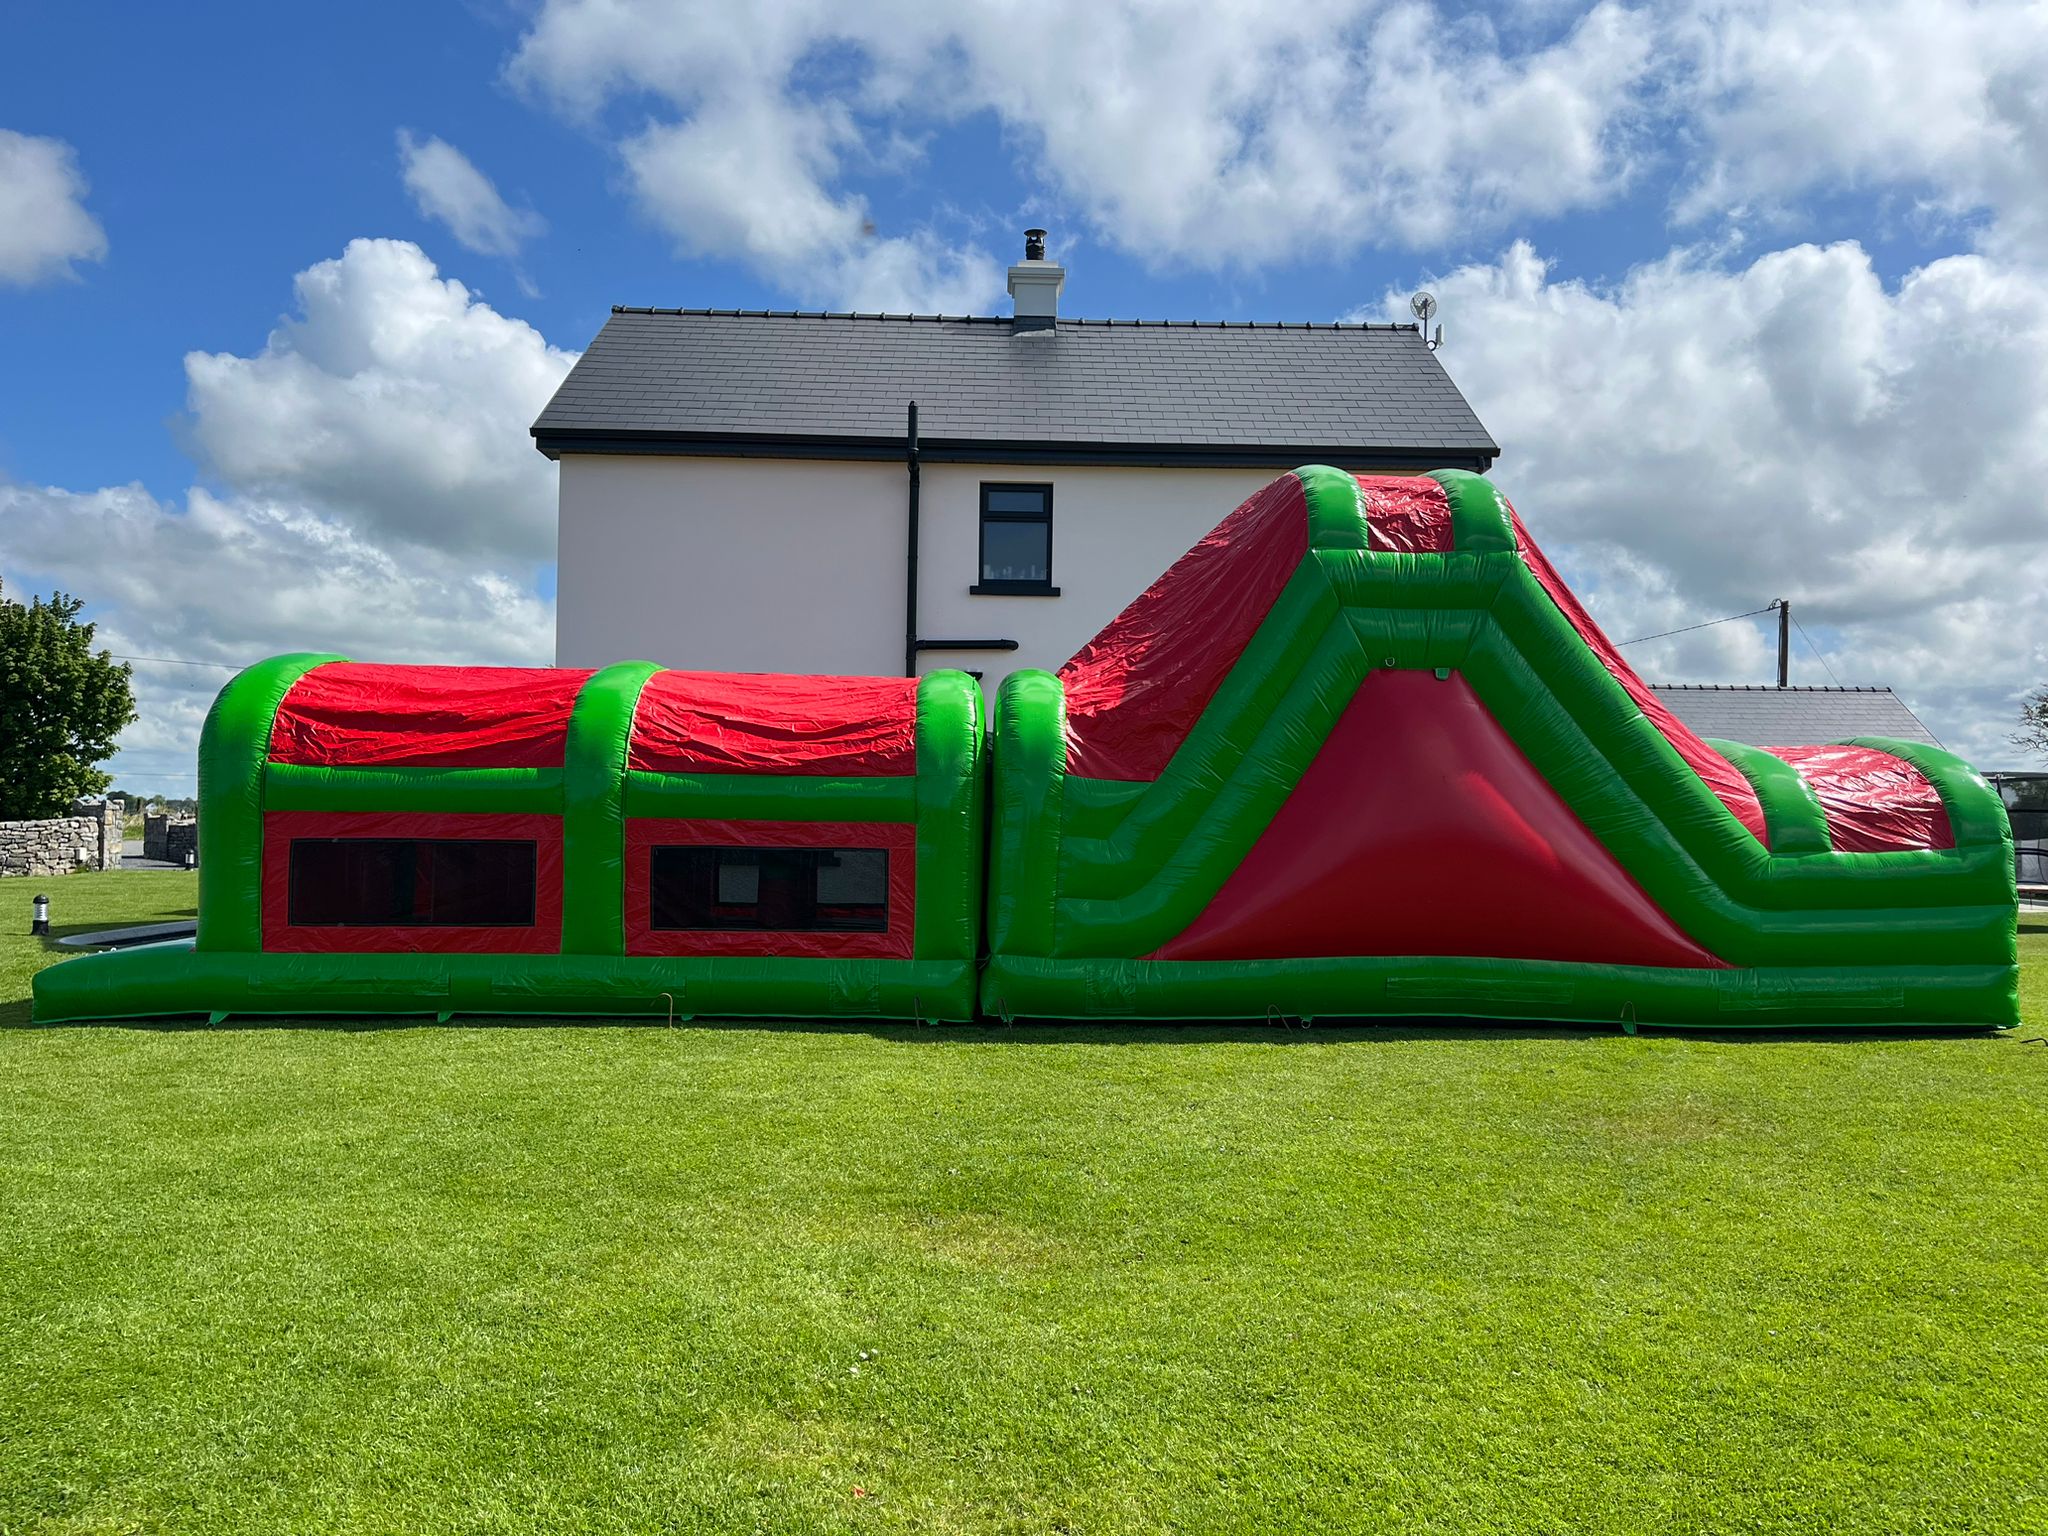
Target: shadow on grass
(1122, 1032)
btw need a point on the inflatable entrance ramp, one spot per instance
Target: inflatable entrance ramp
(1361, 752)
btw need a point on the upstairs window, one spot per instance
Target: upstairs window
(776, 890)
(392, 882)
(1016, 541)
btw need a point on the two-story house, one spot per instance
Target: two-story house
(741, 490)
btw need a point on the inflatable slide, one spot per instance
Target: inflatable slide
(1359, 753)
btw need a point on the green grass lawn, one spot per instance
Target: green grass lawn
(789, 1279)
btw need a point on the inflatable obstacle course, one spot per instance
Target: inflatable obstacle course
(1358, 753)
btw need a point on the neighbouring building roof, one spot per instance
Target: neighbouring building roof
(1079, 391)
(1763, 716)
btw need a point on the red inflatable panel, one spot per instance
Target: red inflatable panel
(1719, 775)
(541, 937)
(1408, 513)
(1135, 691)
(898, 839)
(1421, 829)
(765, 722)
(351, 714)
(1874, 802)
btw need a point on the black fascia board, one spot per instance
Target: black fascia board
(554, 442)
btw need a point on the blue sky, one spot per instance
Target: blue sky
(1702, 265)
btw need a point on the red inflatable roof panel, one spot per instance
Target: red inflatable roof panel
(1135, 691)
(1409, 513)
(1874, 802)
(1421, 829)
(765, 722)
(1721, 776)
(351, 714)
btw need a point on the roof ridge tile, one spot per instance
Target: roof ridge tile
(1065, 320)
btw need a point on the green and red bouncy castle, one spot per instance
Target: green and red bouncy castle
(1358, 753)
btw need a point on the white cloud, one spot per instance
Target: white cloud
(378, 495)
(1944, 101)
(1256, 134)
(747, 178)
(235, 578)
(396, 400)
(44, 227)
(1696, 441)
(1242, 135)
(448, 188)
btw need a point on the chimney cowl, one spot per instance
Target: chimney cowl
(1035, 285)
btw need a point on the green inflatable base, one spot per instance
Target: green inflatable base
(170, 980)
(166, 980)
(1979, 996)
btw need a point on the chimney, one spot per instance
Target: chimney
(1035, 285)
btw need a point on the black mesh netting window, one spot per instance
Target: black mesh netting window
(781, 890)
(405, 882)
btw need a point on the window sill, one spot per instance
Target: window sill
(1013, 589)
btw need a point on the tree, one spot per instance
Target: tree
(2033, 731)
(61, 706)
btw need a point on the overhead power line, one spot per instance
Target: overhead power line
(1816, 650)
(1688, 629)
(177, 661)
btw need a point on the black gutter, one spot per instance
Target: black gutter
(910, 584)
(556, 442)
(965, 645)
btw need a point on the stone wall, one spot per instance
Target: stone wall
(168, 838)
(112, 816)
(54, 846)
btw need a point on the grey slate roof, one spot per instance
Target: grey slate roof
(1791, 717)
(707, 380)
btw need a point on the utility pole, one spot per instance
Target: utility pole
(1784, 641)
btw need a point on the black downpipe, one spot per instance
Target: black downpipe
(910, 588)
(911, 644)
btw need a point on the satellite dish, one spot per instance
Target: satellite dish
(1422, 306)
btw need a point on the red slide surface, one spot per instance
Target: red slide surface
(1421, 829)
(1135, 691)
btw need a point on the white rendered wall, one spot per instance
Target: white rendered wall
(778, 565)
(1113, 532)
(730, 565)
